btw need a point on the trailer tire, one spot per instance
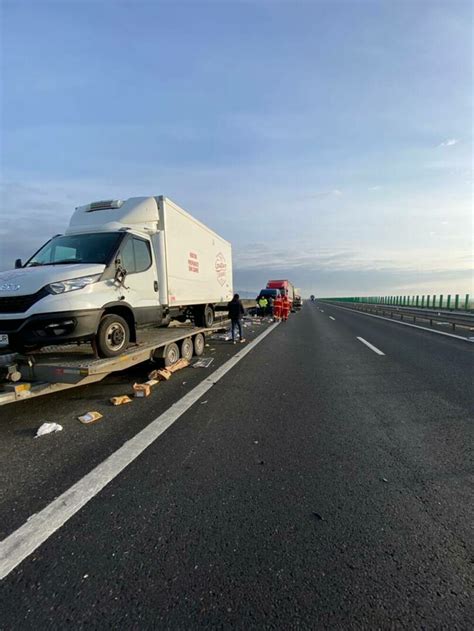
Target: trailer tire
(171, 354)
(187, 349)
(199, 344)
(113, 335)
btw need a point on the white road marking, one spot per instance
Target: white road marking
(331, 318)
(40, 526)
(414, 326)
(371, 346)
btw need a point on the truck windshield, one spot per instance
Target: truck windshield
(77, 248)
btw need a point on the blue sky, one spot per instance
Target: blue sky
(330, 142)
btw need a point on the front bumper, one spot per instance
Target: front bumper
(52, 328)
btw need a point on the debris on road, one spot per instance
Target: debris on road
(141, 389)
(152, 382)
(203, 363)
(317, 516)
(179, 365)
(203, 402)
(384, 479)
(120, 400)
(163, 374)
(48, 428)
(90, 417)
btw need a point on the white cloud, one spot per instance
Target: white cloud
(449, 142)
(375, 188)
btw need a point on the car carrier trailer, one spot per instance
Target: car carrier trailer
(58, 368)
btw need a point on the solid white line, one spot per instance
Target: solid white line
(414, 326)
(331, 318)
(40, 526)
(371, 346)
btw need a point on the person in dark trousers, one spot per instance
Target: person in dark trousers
(236, 311)
(270, 307)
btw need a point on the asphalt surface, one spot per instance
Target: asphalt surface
(320, 485)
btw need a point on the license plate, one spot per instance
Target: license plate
(3, 339)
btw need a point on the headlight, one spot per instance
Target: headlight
(62, 286)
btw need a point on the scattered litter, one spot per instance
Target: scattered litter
(384, 479)
(221, 336)
(120, 400)
(141, 389)
(261, 462)
(203, 402)
(318, 517)
(162, 374)
(48, 428)
(86, 576)
(90, 417)
(207, 344)
(179, 365)
(184, 383)
(203, 363)
(152, 382)
(255, 442)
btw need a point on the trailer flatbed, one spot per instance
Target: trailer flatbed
(58, 368)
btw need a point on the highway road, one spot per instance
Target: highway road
(324, 479)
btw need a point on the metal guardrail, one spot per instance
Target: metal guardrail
(456, 302)
(438, 316)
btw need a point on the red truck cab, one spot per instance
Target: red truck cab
(285, 288)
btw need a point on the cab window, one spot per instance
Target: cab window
(136, 255)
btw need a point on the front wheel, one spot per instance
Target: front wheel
(113, 336)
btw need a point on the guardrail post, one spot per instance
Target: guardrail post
(427, 302)
(448, 303)
(417, 299)
(422, 302)
(456, 301)
(434, 302)
(466, 303)
(441, 301)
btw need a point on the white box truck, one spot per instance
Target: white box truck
(120, 265)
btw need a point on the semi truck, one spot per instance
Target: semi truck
(121, 265)
(284, 287)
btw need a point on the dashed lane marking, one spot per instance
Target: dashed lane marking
(371, 346)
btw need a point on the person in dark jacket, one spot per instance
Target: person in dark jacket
(236, 311)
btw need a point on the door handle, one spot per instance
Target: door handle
(155, 285)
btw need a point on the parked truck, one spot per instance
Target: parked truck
(120, 266)
(298, 301)
(284, 287)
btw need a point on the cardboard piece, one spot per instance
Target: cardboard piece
(90, 417)
(179, 365)
(141, 389)
(120, 400)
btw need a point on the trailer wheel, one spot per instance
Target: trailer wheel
(199, 344)
(187, 349)
(113, 335)
(171, 354)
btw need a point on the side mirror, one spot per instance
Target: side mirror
(18, 264)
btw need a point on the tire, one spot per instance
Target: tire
(199, 344)
(171, 354)
(113, 336)
(187, 349)
(204, 316)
